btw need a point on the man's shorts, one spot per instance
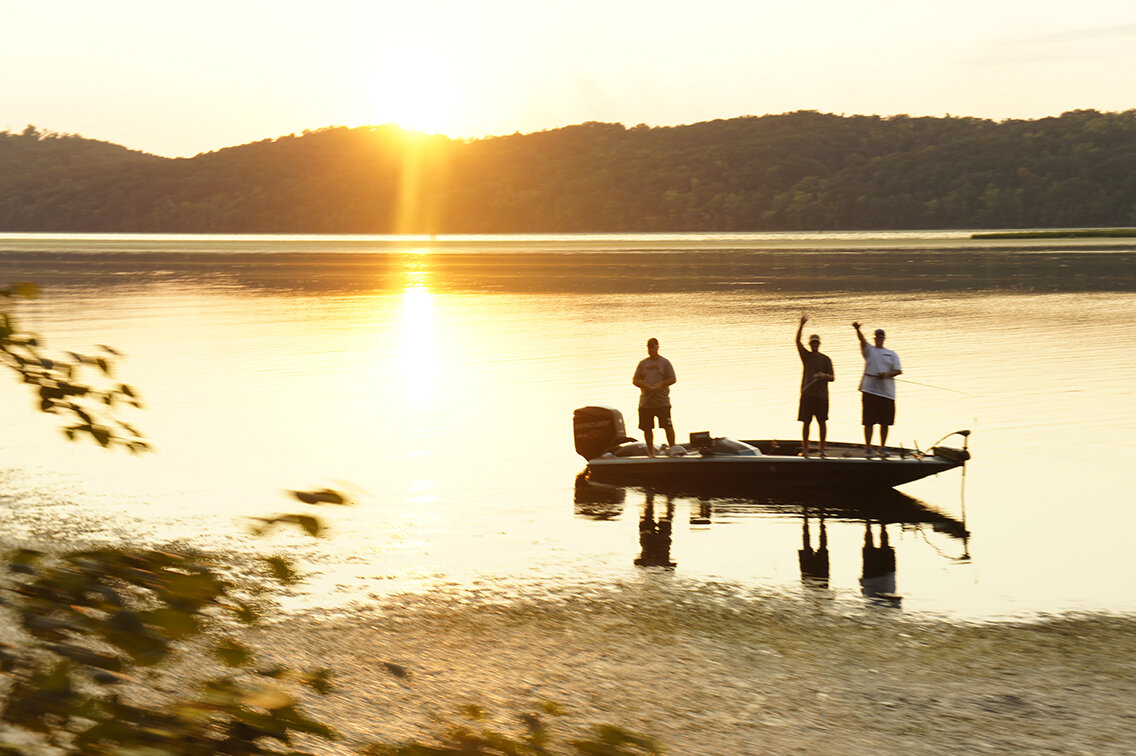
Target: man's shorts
(813, 406)
(647, 417)
(877, 410)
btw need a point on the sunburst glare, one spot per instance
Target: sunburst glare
(416, 88)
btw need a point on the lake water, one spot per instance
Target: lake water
(435, 379)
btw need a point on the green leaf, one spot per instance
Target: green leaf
(552, 708)
(322, 496)
(245, 612)
(24, 557)
(126, 630)
(397, 670)
(312, 525)
(473, 712)
(282, 570)
(301, 723)
(233, 654)
(173, 623)
(86, 656)
(8, 658)
(319, 680)
(193, 589)
(615, 741)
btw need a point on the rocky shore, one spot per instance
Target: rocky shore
(708, 676)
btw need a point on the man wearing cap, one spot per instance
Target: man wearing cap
(877, 388)
(654, 376)
(816, 374)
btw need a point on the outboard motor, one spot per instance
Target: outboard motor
(597, 430)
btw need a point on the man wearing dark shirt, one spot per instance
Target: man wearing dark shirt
(816, 374)
(654, 375)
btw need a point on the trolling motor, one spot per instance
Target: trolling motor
(948, 452)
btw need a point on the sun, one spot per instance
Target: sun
(417, 88)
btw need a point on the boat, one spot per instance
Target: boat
(613, 457)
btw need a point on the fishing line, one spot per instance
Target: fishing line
(931, 385)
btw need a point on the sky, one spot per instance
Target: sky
(179, 78)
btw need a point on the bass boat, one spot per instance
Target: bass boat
(613, 457)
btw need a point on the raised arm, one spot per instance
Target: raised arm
(860, 336)
(800, 328)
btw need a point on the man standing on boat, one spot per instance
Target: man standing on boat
(816, 374)
(877, 388)
(654, 376)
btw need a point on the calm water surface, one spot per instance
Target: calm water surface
(435, 380)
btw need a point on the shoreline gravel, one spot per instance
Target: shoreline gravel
(708, 677)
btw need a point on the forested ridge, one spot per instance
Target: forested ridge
(803, 170)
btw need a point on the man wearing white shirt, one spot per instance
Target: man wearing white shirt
(877, 388)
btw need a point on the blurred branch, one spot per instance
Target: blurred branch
(80, 388)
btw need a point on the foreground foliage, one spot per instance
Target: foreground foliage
(137, 652)
(102, 627)
(131, 651)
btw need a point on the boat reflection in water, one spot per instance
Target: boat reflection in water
(597, 502)
(818, 510)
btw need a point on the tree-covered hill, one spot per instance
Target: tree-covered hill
(803, 170)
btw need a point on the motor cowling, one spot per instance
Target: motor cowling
(597, 430)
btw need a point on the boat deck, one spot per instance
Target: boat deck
(780, 463)
(833, 450)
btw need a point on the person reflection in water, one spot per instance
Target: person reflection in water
(878, 579)
(814, 564)
(654, 375)
(655, 535)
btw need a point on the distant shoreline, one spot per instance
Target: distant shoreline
(1076, 233)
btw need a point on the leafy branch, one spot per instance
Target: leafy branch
(100, 623)
(62, 385)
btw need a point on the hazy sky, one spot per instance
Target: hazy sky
(181, 78)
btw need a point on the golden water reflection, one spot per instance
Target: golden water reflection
(419, 334)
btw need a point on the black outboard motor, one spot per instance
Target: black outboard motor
(597, 430)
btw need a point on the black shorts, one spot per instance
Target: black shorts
(647, 417)
(877, 410)
(813, 406)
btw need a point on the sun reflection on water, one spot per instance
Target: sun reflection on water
(419, 337)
